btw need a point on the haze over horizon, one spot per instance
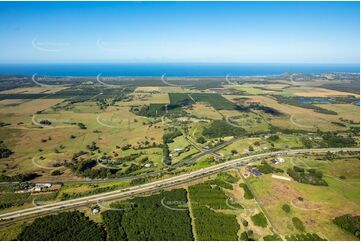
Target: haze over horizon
(216, 32)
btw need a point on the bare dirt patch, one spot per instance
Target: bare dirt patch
(305, 205)
(317, 92)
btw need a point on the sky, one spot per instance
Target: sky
(227, 32)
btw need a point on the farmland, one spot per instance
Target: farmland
(314, 206)
(143, 130)
(109, 115)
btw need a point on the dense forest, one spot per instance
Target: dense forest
(349, 223)
(220, 128)
(146, 218)
(63, 226)
(211, 225)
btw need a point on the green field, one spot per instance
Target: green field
(315, 206)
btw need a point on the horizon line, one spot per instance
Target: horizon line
(184, 62)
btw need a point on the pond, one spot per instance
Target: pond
(313, 100)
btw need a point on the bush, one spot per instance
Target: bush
(201, 140)
(56, 173)
(45, 122)
(298, 224)
(273, 137)
(286, 208)
(126, 147)
(82, 126)
(244, 236)
(259, 220)
(245, 223)
(5, 152)
(273, 237)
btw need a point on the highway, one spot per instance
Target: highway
(153, 186)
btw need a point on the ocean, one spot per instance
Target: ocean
(172, 69)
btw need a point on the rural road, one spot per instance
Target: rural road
(153, 186)
(184, 162)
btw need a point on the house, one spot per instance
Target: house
(278, 160)
(40, 186)
(147, 165)
(46, 187)
(178, 149)
(95, 211)
(255, 171)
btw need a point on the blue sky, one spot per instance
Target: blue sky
(245, 32)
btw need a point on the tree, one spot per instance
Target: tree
(201, 140)
(298, 224)
(286, 208)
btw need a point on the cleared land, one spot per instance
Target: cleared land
(315, 206)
